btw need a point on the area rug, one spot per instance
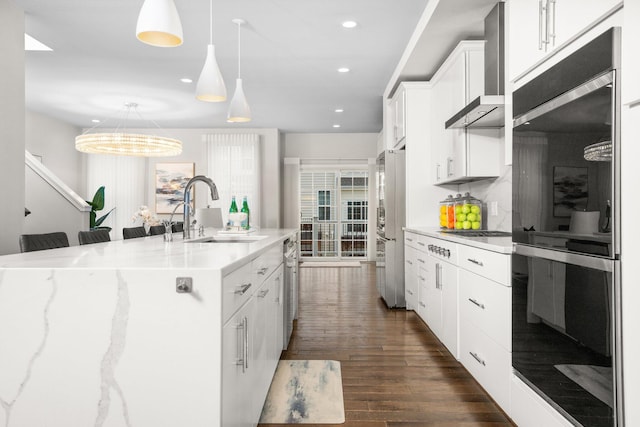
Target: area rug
(305, 392)
(597, 380)
(330, 264)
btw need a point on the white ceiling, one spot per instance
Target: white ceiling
(291, 50)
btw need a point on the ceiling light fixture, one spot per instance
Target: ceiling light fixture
(336, 126)
(339, 110)
(211, 86)
(159, 24)
(239, 111)
(343, 70)
(186, 80)
(122, 143)
(598, 152)
(349, 24)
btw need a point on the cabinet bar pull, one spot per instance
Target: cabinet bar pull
(449, 167)
(409, 292)
(409, 239)
(438, 172)
(240, 360)
(409, 262)
(421, 244)
(263, 270)
(477, 303)
(421, 260)
(539, 24)
(246, 343)
(263, 293)
(242, 289)
(475, 261)
(553, 22)
(475, 356)
(422, 304)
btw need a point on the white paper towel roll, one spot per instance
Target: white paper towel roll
(584, 222)
(209, 217)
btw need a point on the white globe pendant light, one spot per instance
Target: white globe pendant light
(159, 24)
(210, 87)
(239, 111)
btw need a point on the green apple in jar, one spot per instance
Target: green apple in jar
(475, 225)
(471, 217)
(466, 225)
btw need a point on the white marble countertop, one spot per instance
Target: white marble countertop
(495, 244)
(153, 253)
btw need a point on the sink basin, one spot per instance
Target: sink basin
(227, 239)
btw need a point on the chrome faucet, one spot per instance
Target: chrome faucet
(186, 232)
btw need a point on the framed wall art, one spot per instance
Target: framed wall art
(570, 190)
(171, 179)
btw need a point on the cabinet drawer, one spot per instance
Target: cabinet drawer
(266, 264)
(487, 305)
(488, 362)
(237, 287)
(422, 242)
(492, 265)
(411, 239)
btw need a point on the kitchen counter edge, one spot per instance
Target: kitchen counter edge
(503, 245)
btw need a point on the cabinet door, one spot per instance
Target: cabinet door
(423, 293)
(526, 20)
(237, 367)
(448, 284)
(630, 60)
(433, 298)
(400, 105)
(410, 277)
(568, 18)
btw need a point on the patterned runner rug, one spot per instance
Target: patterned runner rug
(305, 392)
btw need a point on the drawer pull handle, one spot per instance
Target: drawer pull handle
(475, 356)
(475, 261)
(421, 260)
(422, 304)
(421, 244)
(477, 303)
(409, 239)
(421, 278)
(263, 270)
(263, 293)
(409, 291)
(242, 289)
(409, 262)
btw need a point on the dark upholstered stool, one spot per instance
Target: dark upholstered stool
(93, 236)
(154, 230)
(178, 227)
(40, 242)
(133, 232)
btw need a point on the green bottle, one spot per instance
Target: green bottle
(245, 209)
(233, 208)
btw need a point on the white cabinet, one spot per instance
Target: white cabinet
(398, 108)
(461, 154)
(630, 59)
(423, 285)
(485, 319)
(536, 28)
(442, 302)
(251, 337)
(410, 277)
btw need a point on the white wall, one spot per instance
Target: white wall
(330, 146)
(53, 141)
(12, 120)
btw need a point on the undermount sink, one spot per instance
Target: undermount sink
(226, 239)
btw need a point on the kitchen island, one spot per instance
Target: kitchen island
(105, 334)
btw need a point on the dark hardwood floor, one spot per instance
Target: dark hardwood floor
(395, 372)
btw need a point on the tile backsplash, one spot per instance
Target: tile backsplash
(496, 192)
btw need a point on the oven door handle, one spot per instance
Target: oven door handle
(596, 263)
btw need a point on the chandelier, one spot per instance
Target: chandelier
(123, 143)
(598, 152)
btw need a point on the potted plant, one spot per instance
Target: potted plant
(97, 204)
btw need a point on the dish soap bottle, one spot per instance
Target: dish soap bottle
(245, 209)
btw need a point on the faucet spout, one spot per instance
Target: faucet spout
(186, 232)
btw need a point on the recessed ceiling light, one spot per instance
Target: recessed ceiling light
(95, 121)
(349, 24)
(336, 126)
(186, 80)
(339, 110)
(343, 70)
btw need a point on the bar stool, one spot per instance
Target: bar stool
(93, 236)
(133, 232)
(154, 230)
(40, 242)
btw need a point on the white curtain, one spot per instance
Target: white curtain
(124, 181)
(532, 184)
(234, 166)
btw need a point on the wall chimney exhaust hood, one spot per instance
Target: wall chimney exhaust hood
(487, 111)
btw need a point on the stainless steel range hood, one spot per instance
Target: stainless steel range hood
(487, 111)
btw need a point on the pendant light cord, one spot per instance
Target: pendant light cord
(210, 21)
(239, 24)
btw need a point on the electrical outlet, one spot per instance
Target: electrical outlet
(184, 285)
(493, 208)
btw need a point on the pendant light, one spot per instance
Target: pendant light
(211, 86)
(239, 111)
(159, 24)
(123, 143)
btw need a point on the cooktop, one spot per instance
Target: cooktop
(478, 233)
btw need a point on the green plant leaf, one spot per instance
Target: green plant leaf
(92, 218)
(101, 219)
(98, 199)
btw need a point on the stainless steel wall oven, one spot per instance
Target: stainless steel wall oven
(566, 328)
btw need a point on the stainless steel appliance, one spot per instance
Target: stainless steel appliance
(291, 287)
(390, 181)
(566, 298)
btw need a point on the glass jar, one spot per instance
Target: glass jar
(468, 211)
(447, 213)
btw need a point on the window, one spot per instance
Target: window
(324, 205)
